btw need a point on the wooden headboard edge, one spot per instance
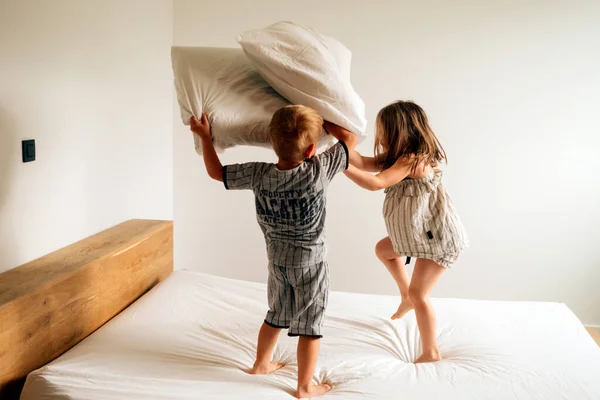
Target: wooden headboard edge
(50, 304)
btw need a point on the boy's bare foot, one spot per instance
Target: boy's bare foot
(429, 357)
(312, 391)
(268, 368)
(403, 309)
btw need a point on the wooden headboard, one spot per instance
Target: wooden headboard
(50, 304)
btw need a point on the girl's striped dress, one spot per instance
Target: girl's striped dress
(422, 222)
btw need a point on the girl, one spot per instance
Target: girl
(420, 218)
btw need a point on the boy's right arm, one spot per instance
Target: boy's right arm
(235, 176)
(211, 159)
(356, 159)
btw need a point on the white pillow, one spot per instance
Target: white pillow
(239, 103)
(300, 65)
(342, 56)
(224, 84)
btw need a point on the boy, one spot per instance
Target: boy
(290, 206)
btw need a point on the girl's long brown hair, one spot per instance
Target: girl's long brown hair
(403, 132)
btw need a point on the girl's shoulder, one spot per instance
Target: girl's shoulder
(418, 171)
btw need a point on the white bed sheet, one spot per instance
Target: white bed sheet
(193, 337)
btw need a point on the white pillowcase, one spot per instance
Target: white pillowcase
(225, 85)
(239, 103)
(342, 55)
(301, 66)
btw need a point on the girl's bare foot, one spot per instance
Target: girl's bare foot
(403, 309)
(428, 357)
(312, 391)
(263, 369)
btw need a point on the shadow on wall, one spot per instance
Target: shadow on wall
(8, 149)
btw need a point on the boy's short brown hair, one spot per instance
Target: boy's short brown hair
(293, 129)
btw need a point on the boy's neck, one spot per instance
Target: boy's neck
(284, 165)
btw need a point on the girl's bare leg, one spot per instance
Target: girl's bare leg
(393, 262)
(425, 275)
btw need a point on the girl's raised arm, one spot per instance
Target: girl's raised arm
(363, 163)
(384, 179)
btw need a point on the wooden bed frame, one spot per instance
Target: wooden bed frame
(50, 304)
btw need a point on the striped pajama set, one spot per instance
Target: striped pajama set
(290, 209)
(422, 222)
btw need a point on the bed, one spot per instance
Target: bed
(193, 337)
(50, 304)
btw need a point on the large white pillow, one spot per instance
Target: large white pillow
(300, 65)
(224, 84)
(239, 103)
(342, 55)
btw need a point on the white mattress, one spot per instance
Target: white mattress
(193, 337)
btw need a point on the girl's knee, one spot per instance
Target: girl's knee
(379, 250)
(417, 296)
(384, 249)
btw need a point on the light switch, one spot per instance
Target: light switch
(28, 149)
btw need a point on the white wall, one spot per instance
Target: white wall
(91, 82)
(512, 88)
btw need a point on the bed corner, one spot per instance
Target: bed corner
(50, 304)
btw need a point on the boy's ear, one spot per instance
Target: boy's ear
(310, 150)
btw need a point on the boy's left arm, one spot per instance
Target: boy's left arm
(211, 159)
(355, 158)
(341, 134)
